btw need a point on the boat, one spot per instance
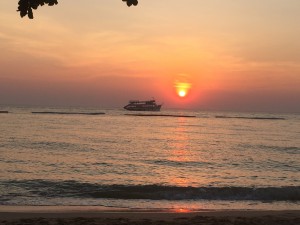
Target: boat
(136, 105)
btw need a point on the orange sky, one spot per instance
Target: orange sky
(235, 55)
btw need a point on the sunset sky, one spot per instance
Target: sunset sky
(226, 54)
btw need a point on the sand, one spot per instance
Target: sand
(92, 216)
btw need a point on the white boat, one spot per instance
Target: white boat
(136, 105)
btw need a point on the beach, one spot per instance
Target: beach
(81, 216)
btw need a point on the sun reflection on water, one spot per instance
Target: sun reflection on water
(182, 210)
(179, 153)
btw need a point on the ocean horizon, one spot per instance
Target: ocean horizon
(76, 156)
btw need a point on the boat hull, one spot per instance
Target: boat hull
(157, 108)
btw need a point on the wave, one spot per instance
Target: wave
(285, 149)
(249, 118)
(74, 189)
(174, 163)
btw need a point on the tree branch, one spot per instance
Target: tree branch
(26, 6)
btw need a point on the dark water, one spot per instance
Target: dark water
(215, 160)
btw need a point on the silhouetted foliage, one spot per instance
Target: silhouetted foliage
(131, 2)
(26, 6)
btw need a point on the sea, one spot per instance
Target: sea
(73, 156)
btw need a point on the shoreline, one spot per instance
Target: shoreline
(104, 215)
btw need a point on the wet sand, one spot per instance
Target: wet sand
(79, 216)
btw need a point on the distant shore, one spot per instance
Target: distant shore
(70, 113)
(159, 115)
(96, 215)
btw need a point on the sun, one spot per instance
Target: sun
(182, 89)
(182, 86)
(182, 93)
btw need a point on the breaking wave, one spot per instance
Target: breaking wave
(74, 189)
